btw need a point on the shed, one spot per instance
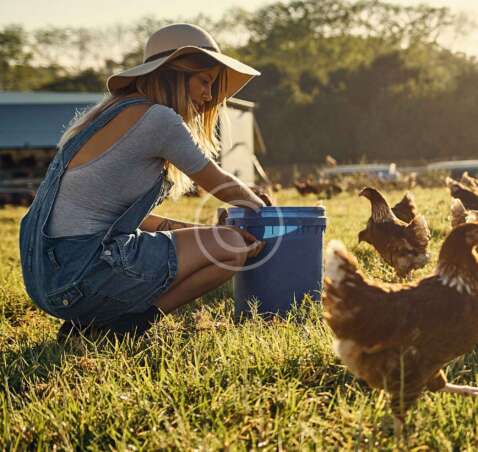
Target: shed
(32, 122)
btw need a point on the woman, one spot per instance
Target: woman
(91, 251)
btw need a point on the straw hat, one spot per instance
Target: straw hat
(180, 39)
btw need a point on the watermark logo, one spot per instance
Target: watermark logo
(227, 246)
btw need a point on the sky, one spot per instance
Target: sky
(33, 14)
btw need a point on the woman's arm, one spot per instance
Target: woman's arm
(180, 148)
(154, 223)
(226, 187)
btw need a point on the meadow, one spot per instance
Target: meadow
(198, 381)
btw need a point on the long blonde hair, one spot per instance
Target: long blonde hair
(168, 85)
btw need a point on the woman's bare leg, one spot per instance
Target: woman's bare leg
(197, 274)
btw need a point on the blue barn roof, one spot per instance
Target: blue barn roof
(36, 120)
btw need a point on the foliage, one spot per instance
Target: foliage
(87, 80)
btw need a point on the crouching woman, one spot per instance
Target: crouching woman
(92, 253)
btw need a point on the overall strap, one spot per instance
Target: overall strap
(71, 147)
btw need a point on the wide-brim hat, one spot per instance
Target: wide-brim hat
(178, 40)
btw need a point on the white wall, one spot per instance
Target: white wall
(237, 139)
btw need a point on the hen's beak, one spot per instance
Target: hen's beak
(362, 192)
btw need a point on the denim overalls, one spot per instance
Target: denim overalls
(95, 277)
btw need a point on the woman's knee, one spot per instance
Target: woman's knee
(234, 245)
(199, 247)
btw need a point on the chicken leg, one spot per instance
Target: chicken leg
(398, 428)
(460, 389)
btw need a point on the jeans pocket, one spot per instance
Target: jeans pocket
(65, 297)
(143, 257)
(122, 256)
(81, 301)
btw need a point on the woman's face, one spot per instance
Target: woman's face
(200, 85)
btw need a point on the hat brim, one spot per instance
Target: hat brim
(238, 74)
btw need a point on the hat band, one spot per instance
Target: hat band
(156, 56)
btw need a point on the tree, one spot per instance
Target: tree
(14, 58)
(86, 81)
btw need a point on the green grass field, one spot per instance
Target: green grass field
(198, 381)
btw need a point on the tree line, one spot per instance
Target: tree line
(362, 80)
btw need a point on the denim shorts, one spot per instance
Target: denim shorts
(140, 268)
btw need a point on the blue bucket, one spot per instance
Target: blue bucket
(289, 266)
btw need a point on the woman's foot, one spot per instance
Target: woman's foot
(135, 323)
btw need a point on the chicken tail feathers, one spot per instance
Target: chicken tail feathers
(460, 215)
(451, 183)
(418, 231)
(342, 279)
(338, 262)
(468, 180)
(458, 212)
(406, 209)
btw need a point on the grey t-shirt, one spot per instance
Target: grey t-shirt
(92, 196)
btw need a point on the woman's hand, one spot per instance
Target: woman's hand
(262, 194)
(256, 246)
(222, 214)
(221, 220)
(266, 198)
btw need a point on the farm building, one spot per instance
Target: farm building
(31, 124)
(390, 170)
(456, 167)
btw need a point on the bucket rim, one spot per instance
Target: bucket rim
(287, 210)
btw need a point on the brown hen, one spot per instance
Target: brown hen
(399, 337)
(303, 187)
(460, 215)
(402, 245)
(468, 196)
(306, 186)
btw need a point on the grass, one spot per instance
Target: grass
(198, 381)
